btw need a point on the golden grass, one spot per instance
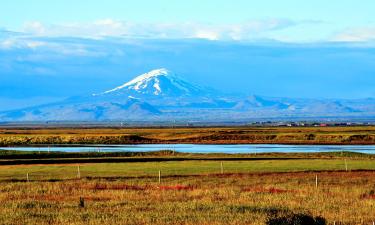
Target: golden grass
(343, 197)
(190, 192)
(286, 135)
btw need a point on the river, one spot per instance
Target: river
(197, 148)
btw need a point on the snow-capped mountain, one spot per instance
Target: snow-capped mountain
(156, 83)
(161, 95)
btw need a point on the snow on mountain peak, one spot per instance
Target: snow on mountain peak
(155, 83)
(149, 75)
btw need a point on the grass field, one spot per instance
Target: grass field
(220, 135)
(265, 191)
(177, 168)
(125, 188)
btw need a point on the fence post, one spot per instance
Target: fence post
(159, 176)
(316, 181)
(346, 166)
(78, 172)
(222, 168)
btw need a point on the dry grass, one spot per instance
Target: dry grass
(194, 198)
(284, 135)
(191, 192)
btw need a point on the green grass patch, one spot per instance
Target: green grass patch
(178, 168)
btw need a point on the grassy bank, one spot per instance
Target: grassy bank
(235, 135)
(178, 168)
(15, 157)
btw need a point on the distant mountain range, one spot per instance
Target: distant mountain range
(160, 95)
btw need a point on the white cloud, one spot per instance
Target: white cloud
(35, 27)
(21, 42)
(51, 47)
(7, 44)
(109, 22)
(35, 44)
(204, 34)
(109, 27)
(362, 34)
(57, 38)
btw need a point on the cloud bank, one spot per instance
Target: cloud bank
(108, 27)
(359, 34)
(274, 29)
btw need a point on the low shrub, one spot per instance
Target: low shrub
(295, 219)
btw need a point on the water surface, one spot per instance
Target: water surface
(197, 148)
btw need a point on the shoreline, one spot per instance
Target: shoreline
(188, 143)
(364, 135)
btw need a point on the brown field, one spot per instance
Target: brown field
(220, 135)
(124, 188)
(232, 198)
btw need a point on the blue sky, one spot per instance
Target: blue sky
(315, 49)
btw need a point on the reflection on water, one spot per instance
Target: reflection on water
(194, 148)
